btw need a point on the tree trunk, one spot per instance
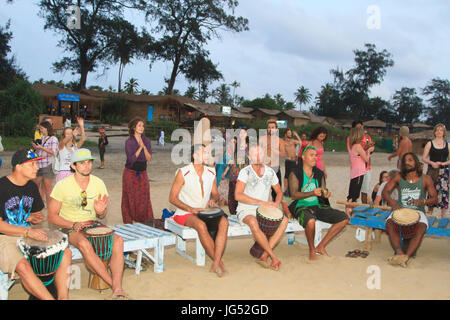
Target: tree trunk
(173, 76)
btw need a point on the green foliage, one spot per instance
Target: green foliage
(16, 143)
(187, 26)
(113, 110)
(408, 105)
(9, 71)
(94, 43)
(438, 96)
(265, 103)
(20, 106)
(153, 129)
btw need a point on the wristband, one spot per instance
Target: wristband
(26, 233)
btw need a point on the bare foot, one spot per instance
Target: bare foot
(263, 263)
(399, 260)
(321, 251)
(313, 256)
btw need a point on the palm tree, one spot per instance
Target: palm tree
(191, 92)
(235, 85)
(144, 92)
(131, 86)
(302, 96)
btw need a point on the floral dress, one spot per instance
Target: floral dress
(441, 186)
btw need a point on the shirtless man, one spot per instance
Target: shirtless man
(274, 149)
(404, 147)
(291, 156)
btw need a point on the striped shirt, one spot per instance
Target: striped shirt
(49, 143)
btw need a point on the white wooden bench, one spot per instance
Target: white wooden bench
(140, 237)
(5, 284)
(235, 229)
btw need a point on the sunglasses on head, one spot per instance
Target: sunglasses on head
(31, 154)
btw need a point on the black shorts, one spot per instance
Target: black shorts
(327, 215)
(288, 167)
(354, 188)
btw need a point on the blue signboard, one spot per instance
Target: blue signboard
(68, 97)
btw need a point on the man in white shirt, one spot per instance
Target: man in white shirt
(253, 189)
(193, 190)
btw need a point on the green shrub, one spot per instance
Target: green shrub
(153, 129)
(112, 109)
(20, 107)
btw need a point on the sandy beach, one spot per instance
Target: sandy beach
(426, 277)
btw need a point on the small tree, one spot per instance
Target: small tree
(20, 106)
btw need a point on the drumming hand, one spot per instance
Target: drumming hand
(212, 203)
(417, 202)
(100, 204)
(317, 192)
(196, 210)
(36, 217)
(271, 204)
(396, 206)
(78, 226)
(37, 234)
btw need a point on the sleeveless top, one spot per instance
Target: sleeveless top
(191, 191)
(319, 163)
(65, 156)
(411, 191)
(357, 164)
(440, 155)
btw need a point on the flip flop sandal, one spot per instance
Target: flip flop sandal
(364, 254)
(351, 254)
(275, 266)
(263, 263)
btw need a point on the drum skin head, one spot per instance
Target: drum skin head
(405, 216)
(53, 236)
(211, 210)
(270, 212)
(98, 231)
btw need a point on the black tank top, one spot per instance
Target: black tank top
(440, 155)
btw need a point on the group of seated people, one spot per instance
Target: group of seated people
(82, 198)
(75, 203)
(194, 189)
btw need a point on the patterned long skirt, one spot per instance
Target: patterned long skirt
(441, 186)
(136, 203)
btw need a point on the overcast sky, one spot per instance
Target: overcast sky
(290, 43)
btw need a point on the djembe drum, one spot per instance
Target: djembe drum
(45, 256)
(405, 222)
(101, 239)
(269, 219)
(211, 217)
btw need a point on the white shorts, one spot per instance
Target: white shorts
(244, 213)
(365, 187)
(423, 218)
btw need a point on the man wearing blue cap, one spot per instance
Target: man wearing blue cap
(75, 203)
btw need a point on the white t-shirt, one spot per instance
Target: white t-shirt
(394, 193)
(65, 156)
(255, 186)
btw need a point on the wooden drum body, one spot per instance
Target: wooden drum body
(101, 239)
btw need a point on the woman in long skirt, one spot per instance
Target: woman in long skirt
(136, 203)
